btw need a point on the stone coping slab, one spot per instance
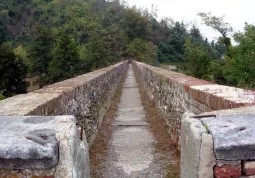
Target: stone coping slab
(28, 142)
(36, 102)
(234, 94)
(233, 135)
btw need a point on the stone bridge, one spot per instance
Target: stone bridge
(49, 133)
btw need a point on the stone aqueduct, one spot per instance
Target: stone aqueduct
(212, 124)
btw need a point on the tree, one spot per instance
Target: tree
(40, 53)
(172, 49)
(66, 59)
(143, 51)
(21, 52)
(13, 72)
(217, 71)
(196, 35)
(136, 25)
(218, 24)
(102, 50)
(242, 62)
(4, 21)
(198, 59)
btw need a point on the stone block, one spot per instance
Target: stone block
(51, 143)
(233, 136)
(28, 143)
(222, 97)
(225, 169)
(191, 139)
(249, 168)
(207, 157)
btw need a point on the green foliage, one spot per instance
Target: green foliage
(40, 53)
(66, 59)
(21, 52)
(176, 41)
(217, 71)
(4, 20)
(219, 49)
(98, 52)
(1, 95)
(196, 35)
(242, 64)
(142, 51)
(59, 39)
(136, 25)
(13, 72)
(198, 60)
(218, 24)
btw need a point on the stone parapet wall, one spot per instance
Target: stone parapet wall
(86, 97)
(213, 124)
(175, 93)
(37, 141)
(42, 147)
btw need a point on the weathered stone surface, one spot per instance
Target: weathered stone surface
(225, 169)
(23, 104)
(191, 139)
(236, 95)
(21, 134)
(207, 157)
(74, 155)
(28, 142)
(233, 136)
(249, 168)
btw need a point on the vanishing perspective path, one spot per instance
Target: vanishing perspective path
(131, 151)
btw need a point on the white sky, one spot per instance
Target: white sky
(237, 11)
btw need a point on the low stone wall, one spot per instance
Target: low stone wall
(175, 93)
(214, 142)
(48, 147)
(86, 97)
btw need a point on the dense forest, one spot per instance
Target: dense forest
(46, 41)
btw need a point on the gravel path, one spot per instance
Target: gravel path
(133, 151)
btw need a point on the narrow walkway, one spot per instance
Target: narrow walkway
(131, 151)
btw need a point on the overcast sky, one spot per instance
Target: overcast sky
(236, 11)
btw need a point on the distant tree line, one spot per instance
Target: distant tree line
(222, 62)
(52, 40)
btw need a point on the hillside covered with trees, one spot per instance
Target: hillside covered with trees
(52, 40)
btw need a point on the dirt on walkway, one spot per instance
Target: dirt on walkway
(133, 140)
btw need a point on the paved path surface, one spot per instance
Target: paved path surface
(131, 152)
